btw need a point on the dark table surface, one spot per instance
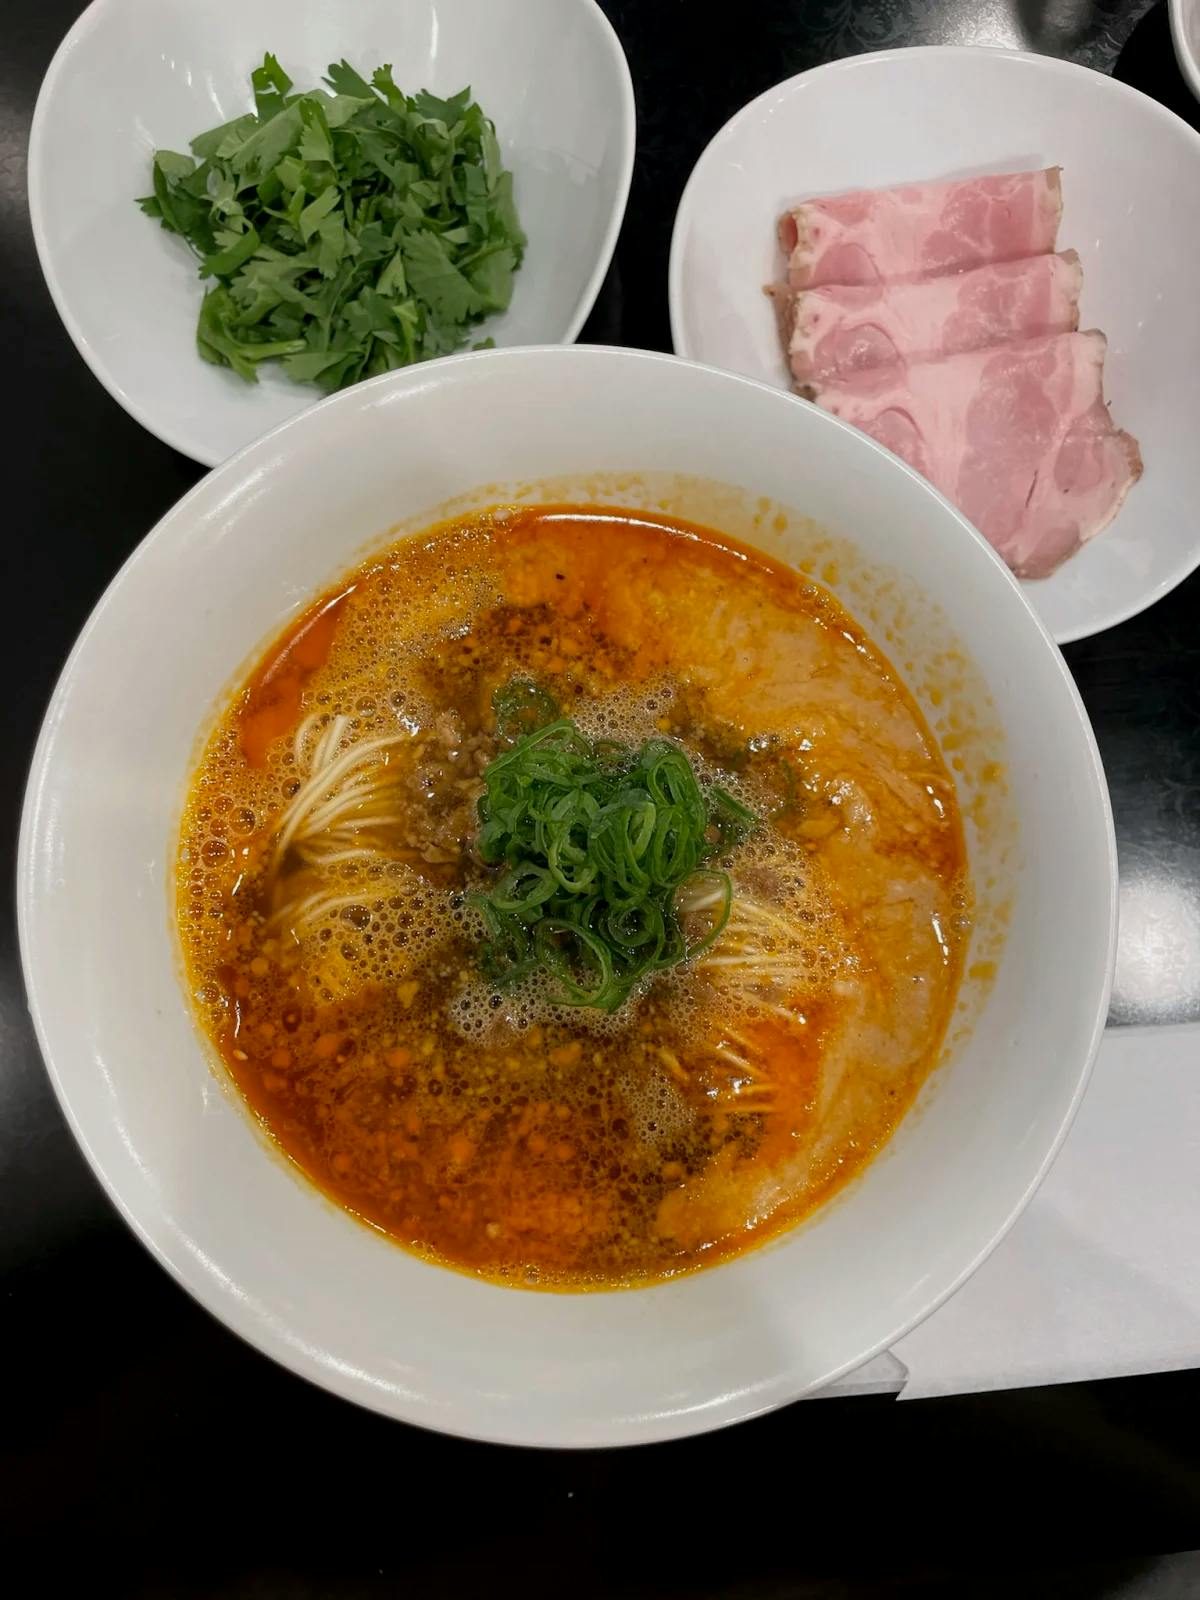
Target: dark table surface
(149, 1451)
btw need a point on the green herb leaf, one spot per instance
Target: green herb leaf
(316, 140)
(446, 111)
(347, 230)
(176, 207)
(492, 279)
(221, 341)
(437, 281)
(342, 77)
(269, 142)
(224, 262)
(218, 144)
(271, 86)
(313, 215)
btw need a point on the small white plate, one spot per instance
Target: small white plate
(1185, 30)
(1131, 187)
(133, 76)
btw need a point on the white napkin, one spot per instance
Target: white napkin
(1101, 1275)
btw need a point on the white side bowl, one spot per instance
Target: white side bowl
(174, 1145)
(1185, 30)
(1131, 190)
(133, 76)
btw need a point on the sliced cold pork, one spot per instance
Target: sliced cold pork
(1018, 437)
(833, 332)
(920, 230)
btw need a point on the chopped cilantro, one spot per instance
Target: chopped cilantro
(345, 231)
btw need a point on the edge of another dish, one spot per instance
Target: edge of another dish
(1187, 55)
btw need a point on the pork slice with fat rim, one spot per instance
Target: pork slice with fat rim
(1017, 436)
(920, 229)
(833, 332)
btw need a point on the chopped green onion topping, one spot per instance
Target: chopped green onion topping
(595, 842)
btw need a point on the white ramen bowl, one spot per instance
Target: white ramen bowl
(173, 1143)
(1131, 208)
(133, 76)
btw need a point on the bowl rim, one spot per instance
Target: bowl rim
(1114, 615)
(1189, 63)
(206, 1285)
(93, 17)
